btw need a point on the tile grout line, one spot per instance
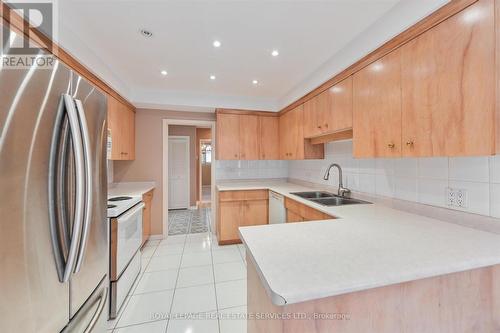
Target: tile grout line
(175, 288)
(213, 274)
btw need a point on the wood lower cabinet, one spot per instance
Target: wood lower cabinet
(377, 108)
(297, 212)
(147, 198)
(448, 86)
(239, 209)
(121, 125)
(293, 144)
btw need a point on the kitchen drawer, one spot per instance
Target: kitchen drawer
(244, 195)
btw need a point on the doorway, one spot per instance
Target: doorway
(178, 172)
(205, 176)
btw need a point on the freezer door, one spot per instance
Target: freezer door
(93, 315)
(32, 297)
(93, 258)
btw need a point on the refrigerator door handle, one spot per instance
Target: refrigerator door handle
(102, 302)
(74, 126)
(88, 184)
(57, 203)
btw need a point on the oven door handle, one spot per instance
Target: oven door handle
(131, 212)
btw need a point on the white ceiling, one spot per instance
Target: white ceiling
(313, 38)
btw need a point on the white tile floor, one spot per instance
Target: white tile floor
(182, 275)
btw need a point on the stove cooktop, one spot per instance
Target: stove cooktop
(120, 204)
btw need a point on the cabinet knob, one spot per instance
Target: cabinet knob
(319, 127)
(391, 145)
(326, 125)
(409, 143)
(235, 155)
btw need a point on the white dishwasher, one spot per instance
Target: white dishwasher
(277, 213)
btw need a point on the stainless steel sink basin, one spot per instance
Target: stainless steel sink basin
(338, 201)
(328, 199)
(313, 195)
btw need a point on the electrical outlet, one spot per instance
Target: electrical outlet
(461, 198)
(450, 195)
(456, 197)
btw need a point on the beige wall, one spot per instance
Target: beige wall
(190, 131)
(147, 165)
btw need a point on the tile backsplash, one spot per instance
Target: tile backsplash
(423, 180)
(250, 169)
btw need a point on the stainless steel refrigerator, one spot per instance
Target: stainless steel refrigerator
(53, 226)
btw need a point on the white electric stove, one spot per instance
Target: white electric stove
(125, 233)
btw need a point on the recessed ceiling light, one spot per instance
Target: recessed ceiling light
(212, 77)
(146, 33)
(275, 53)
(255, 82)
(216, 43)
(163, 72)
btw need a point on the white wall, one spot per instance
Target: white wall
(421, 180)
(250, 169)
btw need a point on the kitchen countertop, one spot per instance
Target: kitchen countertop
(368, 246)
(130, 188)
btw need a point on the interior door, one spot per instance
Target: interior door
(32, 297)
(178, 172)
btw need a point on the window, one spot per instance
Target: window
(206, 153)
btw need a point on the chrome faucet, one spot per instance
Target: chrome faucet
(342, 191)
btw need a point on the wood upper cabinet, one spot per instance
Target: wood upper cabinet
(293, 145)
(121, 124)
(339, 113)
(330, 111)
(249, 137)
(228, 136)
(269, 148)
(377, 108)
(448, 86)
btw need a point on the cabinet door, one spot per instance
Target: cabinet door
(269, 138)
(377, 108)
(448, 83)
(338, 112)
(284, 141)
(311, 121)
(255, 212)
(228, 137)
(128, 133)
(230, 217)
(114, 127)
(296, 133)
(249, 137)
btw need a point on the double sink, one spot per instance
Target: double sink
(328, 199)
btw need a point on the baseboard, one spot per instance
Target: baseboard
(156, 237)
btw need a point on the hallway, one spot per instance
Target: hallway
(187, 274)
